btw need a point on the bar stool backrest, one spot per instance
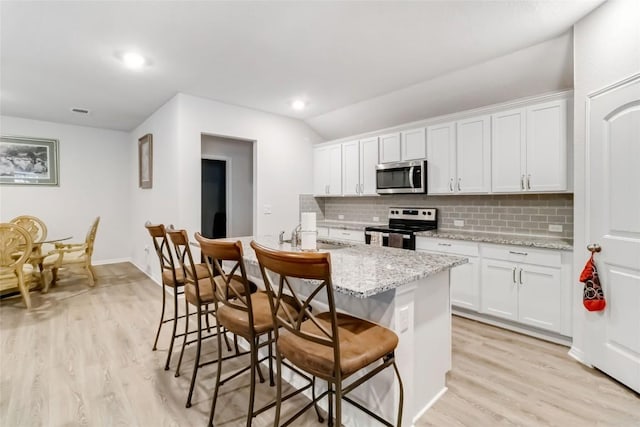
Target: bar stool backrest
(161, 244)
(180, 241)
(277, 268)
(215, 253)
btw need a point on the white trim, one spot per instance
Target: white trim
(422, 411)
(629, 80)
(579, 356)
(145, 273)
(228, 201)
(111, 261)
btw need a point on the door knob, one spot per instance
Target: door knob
(594, 247)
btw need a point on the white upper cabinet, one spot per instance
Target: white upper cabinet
(327, 170)
(473, 155)
(547, 146)
(507, 148)
(359, 160)
(529, 148)
(413, 144)
(390, 148)
(441, 163)
(350, 168)
(458, 156)
(368, 161)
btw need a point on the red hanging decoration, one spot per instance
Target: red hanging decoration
(593, 297)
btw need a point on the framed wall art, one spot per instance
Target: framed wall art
(145, 161)
(30, 161)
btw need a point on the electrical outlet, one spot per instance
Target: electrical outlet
(376, 219)
(146, 248)
(555, 228)
(267, 209)
(458, 223)
(340, 216)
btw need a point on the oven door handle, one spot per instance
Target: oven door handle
(411, 176)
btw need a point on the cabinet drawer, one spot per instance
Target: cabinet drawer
(352, 235)
(522, 254)
(447, 246)
(323, 232)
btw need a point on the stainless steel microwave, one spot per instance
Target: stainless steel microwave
(402, 177)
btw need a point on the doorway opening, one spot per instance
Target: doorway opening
(214, 198)
(227, 187)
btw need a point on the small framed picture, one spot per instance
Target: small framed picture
(145, 161)
(30, 161)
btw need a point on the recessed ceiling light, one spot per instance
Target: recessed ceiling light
(298, 104)
(133, 60)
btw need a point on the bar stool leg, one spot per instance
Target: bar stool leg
(218, 374)
(184, 338)
(252, 390)
(175, 327)
(196, 364)
(313, 397)
(270, 348)
(155, 343)
(276, 418)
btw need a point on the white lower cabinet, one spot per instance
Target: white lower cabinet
(350, 235)
(465, 278)
(526, 286)
(521, 292)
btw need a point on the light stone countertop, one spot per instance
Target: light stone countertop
(502, 239)
(362, 270)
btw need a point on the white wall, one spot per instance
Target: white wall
(94, 174)
(282, 166)
(606, 50)
(240, 198)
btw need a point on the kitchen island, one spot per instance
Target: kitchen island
(404, 290)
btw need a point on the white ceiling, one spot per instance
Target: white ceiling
(57, 55)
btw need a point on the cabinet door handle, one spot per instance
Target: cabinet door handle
(514, 275)
(444, 244)
(521, 277)
(528, 182)
(459, 184)
(518, 253)
(451, 185)
(522, 182)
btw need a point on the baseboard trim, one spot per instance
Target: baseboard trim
(579, 356)
(111, 261)
(428, 405)
(522, 329)
(145, 273)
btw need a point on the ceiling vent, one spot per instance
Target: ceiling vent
(80, 110)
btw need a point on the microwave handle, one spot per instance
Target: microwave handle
(411, 177)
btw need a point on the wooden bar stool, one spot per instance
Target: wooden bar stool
(330, 345)
(172, 279)
(199, 292)
(241, 310)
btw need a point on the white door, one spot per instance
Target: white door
(413, 146)
(613, 222)
(441, 154)
(508, 151)
(473, 154)
(547, 146)
(350, 168)
(499, 289)
(368, 162)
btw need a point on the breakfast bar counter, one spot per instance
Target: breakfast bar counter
(404, 290)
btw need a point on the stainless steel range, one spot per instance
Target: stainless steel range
(403, 224)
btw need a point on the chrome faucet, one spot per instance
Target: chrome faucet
(281, 237)
(295, 236)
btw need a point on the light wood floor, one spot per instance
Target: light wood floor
(83, 356)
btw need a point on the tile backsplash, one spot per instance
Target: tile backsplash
(529, 214)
